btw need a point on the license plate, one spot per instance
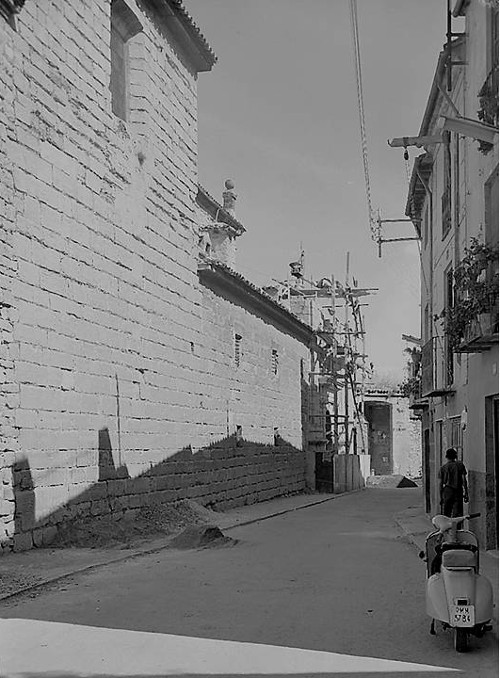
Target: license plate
(462, 615)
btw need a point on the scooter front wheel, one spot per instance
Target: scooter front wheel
(461, 640)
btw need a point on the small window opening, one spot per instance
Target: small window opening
(124, 25)
(237, 349)
(274, 361)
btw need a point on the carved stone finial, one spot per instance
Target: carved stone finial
(229, 196)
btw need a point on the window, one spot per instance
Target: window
(456, 434)
(492, 38)
(446, 196)
(456, 179)
(124, 25)
(449, 302)
(274, 361)
(427, 324)
(439, 441)
(425, 230)
(491, 209)
(237, 349)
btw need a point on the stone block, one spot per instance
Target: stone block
(23, 541)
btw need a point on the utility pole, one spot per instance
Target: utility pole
(335, 393)
(346, 347)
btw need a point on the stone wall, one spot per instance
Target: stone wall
(407, 440)
(231, 473)
(103, 320)
(250, 395)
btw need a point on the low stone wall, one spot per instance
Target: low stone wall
(229, 474)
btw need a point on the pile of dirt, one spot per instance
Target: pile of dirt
(125, 531)
(194, 537)
(390, 482)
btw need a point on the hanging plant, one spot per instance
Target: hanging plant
(410, 386)
(476, 292)
(488, 102)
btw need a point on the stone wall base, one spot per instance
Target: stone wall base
(226, 475)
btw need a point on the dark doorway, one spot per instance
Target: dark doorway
(491, 430)
(379, 417)
(324, 474)
(427, 471)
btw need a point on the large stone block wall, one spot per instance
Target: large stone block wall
(103, 319)
(230, 473)
(251, 395)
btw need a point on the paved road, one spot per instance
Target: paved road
(332, 590)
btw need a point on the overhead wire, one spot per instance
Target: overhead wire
(374, 228)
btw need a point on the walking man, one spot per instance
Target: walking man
(453, 485)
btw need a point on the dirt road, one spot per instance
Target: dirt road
(333, 589)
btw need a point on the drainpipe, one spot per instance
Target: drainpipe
(431, 282)
(431, 246)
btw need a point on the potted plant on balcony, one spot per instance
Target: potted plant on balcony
(476, 295)
(488, 102)
(410, 387)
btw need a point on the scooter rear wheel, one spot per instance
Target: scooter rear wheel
(461, 640)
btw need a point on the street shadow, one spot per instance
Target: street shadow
(220, 476)
(107, 468)
(24, 497)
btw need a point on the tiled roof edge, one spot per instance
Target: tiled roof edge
(242, 281)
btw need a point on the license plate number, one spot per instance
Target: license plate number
(462, 615)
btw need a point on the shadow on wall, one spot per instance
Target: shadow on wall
(228, 473)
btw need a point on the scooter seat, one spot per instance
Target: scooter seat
(458, 558)
(442, 523)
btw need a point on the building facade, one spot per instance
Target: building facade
(453, 202)
(137, 366)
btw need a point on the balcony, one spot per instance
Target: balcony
(471, 324)
(488, 102)
(480, 334)
(436, 375)
(415, 399)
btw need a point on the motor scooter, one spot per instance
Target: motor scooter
(457, 595)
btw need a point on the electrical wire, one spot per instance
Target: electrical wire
(374, 227)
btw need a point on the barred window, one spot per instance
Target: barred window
(237, 349)
(274, 361)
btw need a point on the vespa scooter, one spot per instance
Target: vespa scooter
(457, 595)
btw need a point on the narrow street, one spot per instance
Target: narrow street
(334, 579)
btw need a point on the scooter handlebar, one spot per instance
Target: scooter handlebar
(473, 515)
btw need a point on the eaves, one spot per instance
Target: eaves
(435, 93)
(217, 212)
(174, 17)
(221, 276)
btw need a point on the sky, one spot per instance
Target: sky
(278, 114)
